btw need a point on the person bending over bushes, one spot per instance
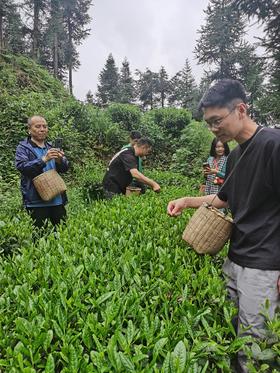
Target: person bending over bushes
(123, 167)
(134, 136)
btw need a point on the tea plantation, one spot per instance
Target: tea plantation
(115, 290)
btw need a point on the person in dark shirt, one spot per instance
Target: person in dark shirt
(35, 155)
(123, 167)
(252, 192)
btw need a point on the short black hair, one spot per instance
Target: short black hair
(144, 141)
(213, 147)
(223, 93)
(135, 135)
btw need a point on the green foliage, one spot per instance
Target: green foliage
(172, 121)
(18, 73)
(87, 131)
(107, 90)
(106, 293)
(194, 148)
(220, 38)
(89, 180)
(264, 355)
(147, 88)
(126, 92)
(127, 116)
(184, 91)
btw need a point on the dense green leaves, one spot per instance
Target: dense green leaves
(115, 289)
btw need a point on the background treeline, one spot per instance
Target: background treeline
(90, 132)
(49, 31)
(224, 52)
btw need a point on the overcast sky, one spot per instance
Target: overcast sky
(150, 33)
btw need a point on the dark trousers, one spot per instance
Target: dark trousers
(39, 215)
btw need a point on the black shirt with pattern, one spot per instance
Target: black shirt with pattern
(118, 175)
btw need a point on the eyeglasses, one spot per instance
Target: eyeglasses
(216, 123)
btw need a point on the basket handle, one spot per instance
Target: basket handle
(236, 164)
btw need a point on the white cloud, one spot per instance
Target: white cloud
(150, 33)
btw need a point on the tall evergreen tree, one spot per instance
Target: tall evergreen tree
(267, 13)
(184, 89)
(163, 85)
(220, 38)
(107, 90)
(11, 28)
(4, 11)
(126, 93)
(76, 18)
(34, 11)
(147, 87)
(55, 41)
(89, 97)
(250, 71)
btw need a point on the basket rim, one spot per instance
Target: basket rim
(44, 172)
(217, 211)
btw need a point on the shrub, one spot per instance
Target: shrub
(126, 115)
(171, 120)
(194, 148)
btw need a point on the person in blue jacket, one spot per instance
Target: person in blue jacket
(35, 155)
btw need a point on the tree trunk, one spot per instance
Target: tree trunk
(35, 50)
(70, 62)
(1, 32)
(55, 55)
(162, 99)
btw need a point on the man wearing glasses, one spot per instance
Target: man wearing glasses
(252, 193)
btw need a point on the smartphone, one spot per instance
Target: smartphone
(205, 165)
(58, 143)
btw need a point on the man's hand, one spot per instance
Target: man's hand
(60, 156)
(176, 207)
(53, 153)
(156, 187)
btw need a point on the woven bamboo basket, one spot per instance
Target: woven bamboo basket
(49, 184)
(208, 230)
(130, 190)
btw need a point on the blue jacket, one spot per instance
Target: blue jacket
(31, 166)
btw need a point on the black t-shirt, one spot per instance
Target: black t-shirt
(118, 175)
(253, 195)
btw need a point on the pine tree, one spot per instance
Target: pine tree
(34, 10)
(163, 85)
(184, 89)
(55, 41)
(11, 28)
(4, 11)
(147, 87)
(250, 71)
(267, 13)
(220, 39)
(76, 18)
(89, 97)
(126, 84)
(107, 90)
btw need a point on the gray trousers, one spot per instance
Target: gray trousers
(249, 289)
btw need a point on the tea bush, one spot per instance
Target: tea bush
(115, 289)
